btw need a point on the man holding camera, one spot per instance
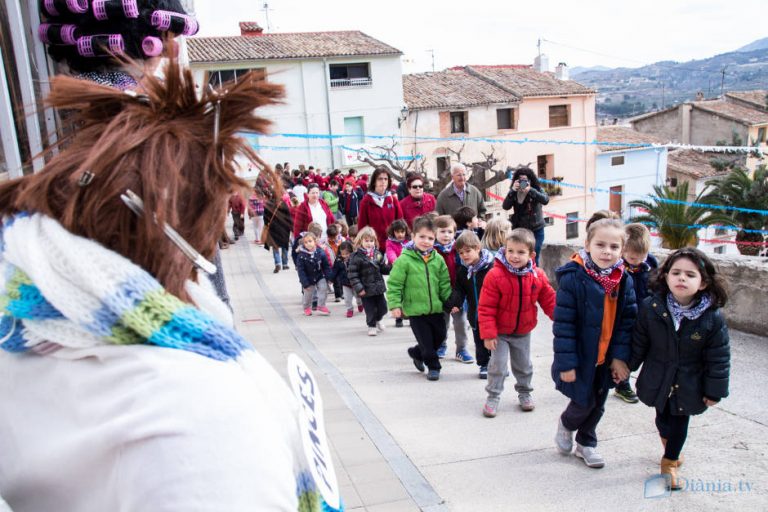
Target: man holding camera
(525, 198)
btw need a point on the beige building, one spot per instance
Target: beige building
(507, 105)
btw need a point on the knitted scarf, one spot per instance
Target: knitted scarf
(486, 258)
(379, 198)
(692, 312)
(609, 278)
(59, 290)
(412, 246)
(516, 271)
(445, 248)
(369, 253)
(634, 269)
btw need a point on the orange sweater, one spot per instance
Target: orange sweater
(610, 305)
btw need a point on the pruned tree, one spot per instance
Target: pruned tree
(480, 169)
(386, 155)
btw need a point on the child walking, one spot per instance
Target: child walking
(594, 314)
(476, 262)
(340, 276)
(639, 262)
(495, 235)
(507, 314)
(366, 271)
(314, 271)
(445, 229)
(397, 236)
(418, 286)
(681, 340)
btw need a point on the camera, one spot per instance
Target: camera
(523, 183)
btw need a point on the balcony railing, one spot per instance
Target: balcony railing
(351, 82)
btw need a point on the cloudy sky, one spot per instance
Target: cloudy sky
(587, 33)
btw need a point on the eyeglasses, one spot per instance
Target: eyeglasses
(417, 186)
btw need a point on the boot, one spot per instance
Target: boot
(669, 467)
(277, 269)
(679, 459)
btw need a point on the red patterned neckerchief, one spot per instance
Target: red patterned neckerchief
(608, 278)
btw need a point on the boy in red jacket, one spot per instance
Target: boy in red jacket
(507, 315)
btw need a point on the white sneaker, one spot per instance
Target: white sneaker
(372, 331)
(591, 458)
(563, 438)
(380, 326)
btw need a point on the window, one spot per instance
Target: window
(350, 75)
(222, 76)
(615, 200)
(459, 122)
(761, 135)
(549, 221)
(558, 116)
(721, 231)
(572, 225)
(617, 160)
(545, 166)
(442, 165)
(505, 118)
(720, 249)
(353, 127)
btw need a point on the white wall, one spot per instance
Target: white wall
(642, 169)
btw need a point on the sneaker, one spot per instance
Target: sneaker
(463, 357)
(626, 394)
(441, 351)
(360, 308)
(563, 438)
(398, 322)
(372, 331)
(323, 311)
(286, 267)
(433, 375)
(308, 312)
(380, 326)
(483, 372)
(591, 458)
(337, 299)
(350, 313)
(489, 409)
(526, 403)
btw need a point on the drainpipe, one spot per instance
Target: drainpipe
(586, 152)
(308, 142)
(328, 108)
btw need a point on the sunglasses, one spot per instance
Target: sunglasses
(417, 186)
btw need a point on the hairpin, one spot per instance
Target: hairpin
(114, 9)
(135, 203)
(101, 45)
(152, 46)
(58, 34)
(55, 7)
(143, 98)
(85, 179)
(175, 22)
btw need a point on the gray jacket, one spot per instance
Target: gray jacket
(448, 202)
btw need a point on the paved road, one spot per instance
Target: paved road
(402, 443)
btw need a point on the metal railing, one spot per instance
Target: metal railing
(351, 82)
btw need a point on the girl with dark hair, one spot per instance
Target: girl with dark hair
(681, 340)
(115, 354)
(379, 206)
(526, 198)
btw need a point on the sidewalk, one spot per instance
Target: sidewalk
(403, 443)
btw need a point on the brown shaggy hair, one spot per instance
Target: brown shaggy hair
(160, 144)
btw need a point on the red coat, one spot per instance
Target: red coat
(303, 216)
(450, 262)
(412, 209)
(508, 302)
(379, 218)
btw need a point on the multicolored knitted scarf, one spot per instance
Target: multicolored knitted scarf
(500, 256)
(486, 258)
(445, 248)
(609, 278)
(379, 198)
(412, 246)
(58, 290)
(634, 269)
(691, 312)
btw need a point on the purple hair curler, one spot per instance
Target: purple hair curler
(57, 34)
(102, 45)
(152, 46)
(50, 8)
(56, 7)
(115, 9)
(77, 6)
(175, 22)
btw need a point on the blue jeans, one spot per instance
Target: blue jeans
(539, 236)
(280, 253)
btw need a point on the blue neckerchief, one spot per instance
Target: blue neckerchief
(444, 248)
(411, 245)
(517, 271)
(692, 313)
(486, 258)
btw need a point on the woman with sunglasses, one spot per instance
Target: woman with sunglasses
(417, 202)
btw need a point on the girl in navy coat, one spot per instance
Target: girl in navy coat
(314, 271)
(594, 314)
(682, 342)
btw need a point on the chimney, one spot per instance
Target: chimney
(561, 71)
(250, 29)
(700, 96)
(541, 63)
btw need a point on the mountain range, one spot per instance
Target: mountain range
(626, 92)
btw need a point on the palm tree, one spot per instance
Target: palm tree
(741, 190)
(672, 218)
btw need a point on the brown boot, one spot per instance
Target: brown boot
(277, 269)
(679, 459)
(669, 467)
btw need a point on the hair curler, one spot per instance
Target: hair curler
(58, 34)
(152, 46)
(114, 9)
(56, 7)
(174, 22)
(101, 45)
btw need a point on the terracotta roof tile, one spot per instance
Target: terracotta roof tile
(524, 81)
(451, 88)
(623, 134)
(286, 46)
(758, 99)
(696, 164)
(738, 113)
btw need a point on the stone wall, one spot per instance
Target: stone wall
(747, 279)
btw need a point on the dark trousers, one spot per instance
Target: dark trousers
(482, 354)
(430, 332)
(375, 308)
(238, 224)
(674, 429)
(338, 289)
(584, 420)
(538, 235)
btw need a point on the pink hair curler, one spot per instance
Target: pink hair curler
(174, 22)
(101, 45)
(57, 34)
(115, 9)
(152, 46)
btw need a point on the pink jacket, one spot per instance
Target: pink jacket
(394, 248)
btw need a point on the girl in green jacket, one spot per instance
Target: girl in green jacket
(418, 286)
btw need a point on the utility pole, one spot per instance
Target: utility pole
(722, 81)
(266, 10)
(662, 95)
(432, 51)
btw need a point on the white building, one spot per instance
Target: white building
(337, 84)
(625, 172)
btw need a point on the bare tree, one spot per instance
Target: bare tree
(386, 155)
(480, 170)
